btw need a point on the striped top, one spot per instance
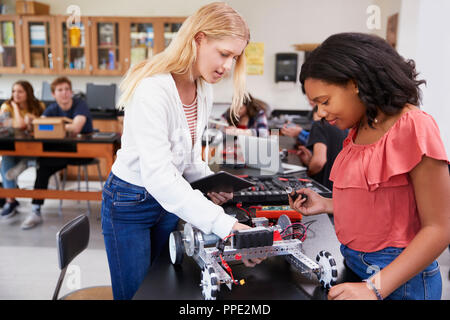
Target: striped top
(191, 115)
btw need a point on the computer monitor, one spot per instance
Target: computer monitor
(101, 97)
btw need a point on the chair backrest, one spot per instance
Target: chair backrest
(72, 239)
(101, 97)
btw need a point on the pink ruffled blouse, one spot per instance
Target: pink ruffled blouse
(373, 196)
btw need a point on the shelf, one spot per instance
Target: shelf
(306, 46)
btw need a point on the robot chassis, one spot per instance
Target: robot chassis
(202, 248)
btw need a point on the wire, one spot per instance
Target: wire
(299, 230)
(228, 269)
(227, 237)
(239, 206)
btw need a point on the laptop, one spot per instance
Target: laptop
(264, 154)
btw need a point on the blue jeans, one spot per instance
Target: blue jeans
(8, 162)
(135, 229)
(427, 285)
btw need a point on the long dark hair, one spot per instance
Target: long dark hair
(385, 79)
(253, 105)
(33, 104)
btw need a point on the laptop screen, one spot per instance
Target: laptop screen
(261, 153)
(264, 154)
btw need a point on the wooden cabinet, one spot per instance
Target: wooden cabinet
(74, 46)
(171, 27)
(139, 41)
(145, 37)
(105, 46)
(11, 60)
(108, 38)
(39, 44)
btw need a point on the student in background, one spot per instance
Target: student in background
(72, 108)
(322, 147)
(19, 111)
(250, 120)
(295, 131)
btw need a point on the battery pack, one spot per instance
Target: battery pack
(252, 238)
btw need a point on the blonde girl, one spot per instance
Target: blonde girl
(167, 101)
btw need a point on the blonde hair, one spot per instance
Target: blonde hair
(216, 20)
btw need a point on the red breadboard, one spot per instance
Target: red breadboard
(275, 214)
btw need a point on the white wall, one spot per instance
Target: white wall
(387, 9)
(279, 24)
(424, 37)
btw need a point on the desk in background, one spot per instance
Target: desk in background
(21, 144)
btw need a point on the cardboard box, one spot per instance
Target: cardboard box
(32, 7)
(50, 128)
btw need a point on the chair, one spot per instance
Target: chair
(71, 240)
(94, 161)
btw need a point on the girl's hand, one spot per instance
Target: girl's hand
(305, 155)
(29, 119)
(314, 204)
(14, 105)
(351, 291)
(291, 131)
(221, 197)
(247, 262)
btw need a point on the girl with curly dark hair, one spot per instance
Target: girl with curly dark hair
(391, 179)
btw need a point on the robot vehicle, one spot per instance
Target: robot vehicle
(212, 255)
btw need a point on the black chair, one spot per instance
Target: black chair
(71, 240)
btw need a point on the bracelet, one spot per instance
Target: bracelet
(373, 288)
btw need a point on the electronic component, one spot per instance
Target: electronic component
(272, 189)
(251, 238)
(274, 212)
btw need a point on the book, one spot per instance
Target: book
(38, 35)
(138, 54)
(106, 34)
(8, 33)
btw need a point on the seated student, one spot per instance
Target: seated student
(323, 145)
(251, 120)
(296, 131)
(65, 106)
(21, 109)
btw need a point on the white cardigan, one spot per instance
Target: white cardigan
(157, 152)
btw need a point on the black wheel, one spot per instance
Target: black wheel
(210, 283)
(329, 273)
(176, 247)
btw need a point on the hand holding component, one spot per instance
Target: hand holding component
(312, 204)
(247, 262)
(292, 193)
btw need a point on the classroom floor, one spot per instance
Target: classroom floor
(28, 258)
